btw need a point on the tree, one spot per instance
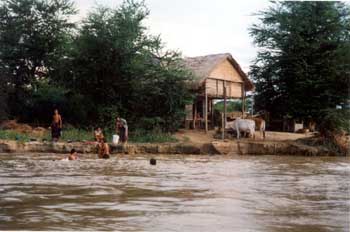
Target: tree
(121, 70)
(234, 105)
(3, 97)
(33, 35)
(303, 65)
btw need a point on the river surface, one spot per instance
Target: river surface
(180, 193)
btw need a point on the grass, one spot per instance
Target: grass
(186, 139)
(151, 137)
(69, 134)
(77, 135)
(13, 135)
(74, 134)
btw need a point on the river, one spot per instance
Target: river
(180, 193)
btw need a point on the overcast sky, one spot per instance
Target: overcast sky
(199, 27)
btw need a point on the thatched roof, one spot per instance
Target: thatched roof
(201, 66)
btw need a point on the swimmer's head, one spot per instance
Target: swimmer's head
(105, 156)
(153, 161)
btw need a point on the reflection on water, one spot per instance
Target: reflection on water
(181, 193)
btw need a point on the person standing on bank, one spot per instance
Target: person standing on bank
(56, 126)
(122, 129)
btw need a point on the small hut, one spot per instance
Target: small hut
(216, 76)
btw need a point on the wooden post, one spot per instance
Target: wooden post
(243, 100)
(225, 107)
(206, 109)
(222, 126)
(217, 88)
(195, 114)
(212, 113)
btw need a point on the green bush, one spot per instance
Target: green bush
(234, 105)
(3, 98)
(150, 124)
(107, 116)
(335, 121)
(43, 99)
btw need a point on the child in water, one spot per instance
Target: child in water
(98, 134)
(103, 149)
(72, 156)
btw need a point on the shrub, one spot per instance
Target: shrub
(334, 126)
(107, 116)
(42, 101)
(150, 124)
(335, 121)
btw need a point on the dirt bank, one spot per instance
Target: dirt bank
(13, 125)
(269, 148)
(276, 143)
(228, 147)
(90, 147)
(189, 142)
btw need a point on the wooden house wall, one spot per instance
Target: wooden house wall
(211, 86)
(234, 89)
(225, 71)
(215, 88)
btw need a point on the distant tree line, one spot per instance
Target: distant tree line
(302, 69)
(105, 65)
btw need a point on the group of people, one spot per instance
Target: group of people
(102, 145)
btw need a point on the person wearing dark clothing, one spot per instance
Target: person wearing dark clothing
(122, 129)
(56, 126)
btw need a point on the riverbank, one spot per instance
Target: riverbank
(182, 142)
(17, 137)
(226, 147)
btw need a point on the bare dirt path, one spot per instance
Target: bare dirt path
(199, 136)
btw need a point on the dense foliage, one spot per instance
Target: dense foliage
(234, 105)
(33, 34)
(335, 121)
(303, 65)
(107, 66)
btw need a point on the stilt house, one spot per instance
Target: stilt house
(216, 76)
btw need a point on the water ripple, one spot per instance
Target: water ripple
(180, 193)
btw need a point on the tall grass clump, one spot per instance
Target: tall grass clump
(155, 136)
(13, 135)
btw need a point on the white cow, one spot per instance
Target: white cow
(242, 125)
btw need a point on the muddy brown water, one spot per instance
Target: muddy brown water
(180, 193)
